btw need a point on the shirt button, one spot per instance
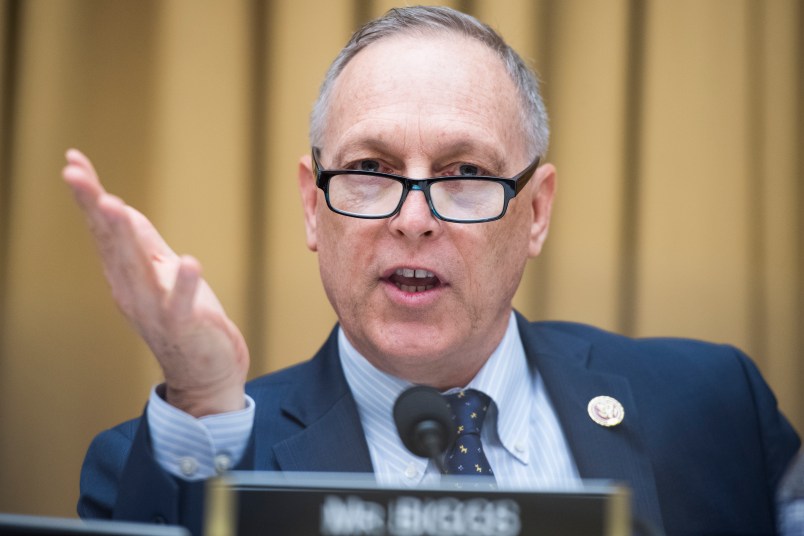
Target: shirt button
(188, 466)
(411, 471)
(223, 462)
(520, 447)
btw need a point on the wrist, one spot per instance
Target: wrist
(200, 402)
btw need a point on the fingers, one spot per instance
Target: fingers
(182, 296)
(148, 236)
(126, 264)
(76, 157)
(137, 262)
(80, 175)
(109, 218)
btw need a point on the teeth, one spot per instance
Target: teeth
(410, 272)
(417, 274)
(410, 288)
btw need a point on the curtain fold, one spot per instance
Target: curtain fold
(677, 134)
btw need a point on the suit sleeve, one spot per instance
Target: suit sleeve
(780, 442)
(102, 469)
(122, 480)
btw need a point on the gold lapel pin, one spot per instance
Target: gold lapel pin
(606, 411)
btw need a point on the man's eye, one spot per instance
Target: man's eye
(468, 169)
(368, 165)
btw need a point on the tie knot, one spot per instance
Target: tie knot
(469, 408)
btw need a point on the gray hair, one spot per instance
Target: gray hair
(422, 20)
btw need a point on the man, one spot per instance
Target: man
(421, 275)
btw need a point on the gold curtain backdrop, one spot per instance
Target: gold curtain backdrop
(678, 130)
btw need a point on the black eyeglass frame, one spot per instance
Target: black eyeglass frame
(511, 187)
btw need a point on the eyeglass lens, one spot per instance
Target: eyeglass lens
(368, 195)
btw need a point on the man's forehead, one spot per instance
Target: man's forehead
(449, 87)
(429, 54)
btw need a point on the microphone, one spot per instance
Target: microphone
(424, 421)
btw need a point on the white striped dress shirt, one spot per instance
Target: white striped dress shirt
(192, 448)
(521, 435)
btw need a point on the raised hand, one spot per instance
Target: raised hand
(202, 353)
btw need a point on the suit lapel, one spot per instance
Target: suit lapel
(616, 453)
(332, 437)
(333, 442)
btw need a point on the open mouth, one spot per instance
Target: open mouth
(413, 280)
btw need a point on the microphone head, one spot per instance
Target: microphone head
(424, 421)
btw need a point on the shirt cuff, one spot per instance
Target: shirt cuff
(195, 449)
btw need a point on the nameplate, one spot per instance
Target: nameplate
(328, 504)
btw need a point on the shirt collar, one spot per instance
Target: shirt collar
(375, 392)
(505, 377)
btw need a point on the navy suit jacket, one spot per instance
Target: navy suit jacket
(702, 444)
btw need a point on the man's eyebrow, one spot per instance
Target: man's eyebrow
(472, 152)
(360, 147)
(483, 154)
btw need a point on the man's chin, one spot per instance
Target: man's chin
(416, 364)
(400, 343)
(408, 354)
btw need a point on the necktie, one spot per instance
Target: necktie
(466, 457)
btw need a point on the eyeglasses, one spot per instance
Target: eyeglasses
(459, 199)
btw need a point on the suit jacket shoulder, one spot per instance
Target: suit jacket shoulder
(700, 424)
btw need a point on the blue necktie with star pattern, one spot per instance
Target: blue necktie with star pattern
(466, 457)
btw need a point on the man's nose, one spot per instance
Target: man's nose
(415, 219)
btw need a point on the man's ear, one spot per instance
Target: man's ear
(543, 193)
(309, 195)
